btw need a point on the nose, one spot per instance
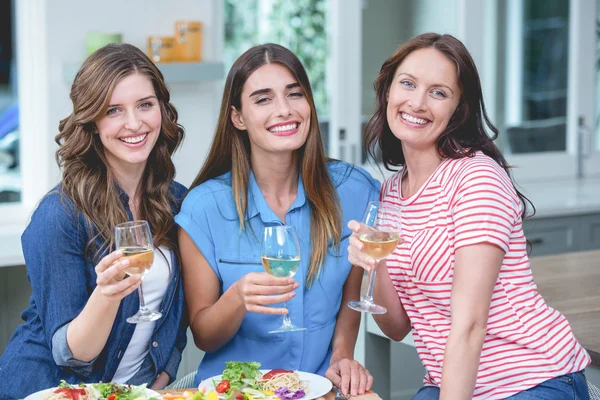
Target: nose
(418, 100)
(283, 107)
(133, 122)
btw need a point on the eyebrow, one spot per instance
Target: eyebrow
(435, 85)
(140, 100)
(269, 90)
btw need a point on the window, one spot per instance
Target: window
(10, 177)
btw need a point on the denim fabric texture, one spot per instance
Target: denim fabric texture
(565, 387)
(209, 216)
(63, 277)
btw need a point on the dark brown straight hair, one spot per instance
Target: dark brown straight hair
(230, 151)
(86, 177)
(466, 131)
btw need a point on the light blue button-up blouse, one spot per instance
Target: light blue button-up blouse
(209, 216)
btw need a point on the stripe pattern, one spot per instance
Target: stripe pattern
(469, 201)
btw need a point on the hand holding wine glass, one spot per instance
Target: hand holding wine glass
(134, 240)
(379, 235)
(280, 254)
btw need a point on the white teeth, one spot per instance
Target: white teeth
(414, 120)
(134, 140)
(283, 128)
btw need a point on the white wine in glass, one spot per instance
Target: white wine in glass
(380, 233)
(134, 239)
(280, 255)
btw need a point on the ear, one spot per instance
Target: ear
(237, 119)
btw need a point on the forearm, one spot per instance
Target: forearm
(395, 322)
(461, 363)
(345, 334)
(215, 325)
(88, 332)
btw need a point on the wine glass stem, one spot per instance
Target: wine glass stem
(286, 317)
(372, 273)
(141, 293)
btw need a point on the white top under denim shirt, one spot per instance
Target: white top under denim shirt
(155, 285)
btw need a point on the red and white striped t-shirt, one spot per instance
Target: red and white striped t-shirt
(467, 201)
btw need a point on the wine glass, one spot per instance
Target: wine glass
(380, 232)
(280, 255)
(134, 239)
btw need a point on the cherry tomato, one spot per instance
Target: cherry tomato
(223, 386)
(112, 396)
(274, 372)
(239, 396)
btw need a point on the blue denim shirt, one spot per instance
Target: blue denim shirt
(63, 277)
(209, 216)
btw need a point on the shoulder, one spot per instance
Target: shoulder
(177, 190)
(213, 191)
(347, 175)
(55, 212)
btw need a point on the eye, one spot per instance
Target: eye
(261, 100)
(407, 84)
(146, 105)
(440, 94)
(111, 111)
(297, 94)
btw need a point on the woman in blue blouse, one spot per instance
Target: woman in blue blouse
(115, 152)
(266, 167)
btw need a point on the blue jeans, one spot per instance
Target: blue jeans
(571, 386)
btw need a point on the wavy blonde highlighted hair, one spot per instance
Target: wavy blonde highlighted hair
(86, 177)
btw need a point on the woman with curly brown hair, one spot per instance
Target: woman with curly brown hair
(115, 151)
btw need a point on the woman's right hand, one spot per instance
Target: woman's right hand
(112, 280)
(356, 254)
(257, 290)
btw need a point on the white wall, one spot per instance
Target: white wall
(197, 103)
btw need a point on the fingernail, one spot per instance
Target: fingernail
(125, 261)
(296, 285)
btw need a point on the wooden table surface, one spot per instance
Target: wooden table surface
(570, 283)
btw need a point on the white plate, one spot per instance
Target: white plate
(43, 393)
(317, 385)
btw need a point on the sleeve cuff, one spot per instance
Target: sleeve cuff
(173, 365)
(63, 357)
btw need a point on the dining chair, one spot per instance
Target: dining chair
(186, 382)
(594, 391)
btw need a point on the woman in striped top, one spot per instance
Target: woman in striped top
(461, 279)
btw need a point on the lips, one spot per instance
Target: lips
(134, 139)
(284, 129)
(414, 120)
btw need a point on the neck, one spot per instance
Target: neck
(128, 178)
(420, 164)
(277, 177)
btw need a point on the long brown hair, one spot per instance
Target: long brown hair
(86, 177)
(230, 151)
(466, 131)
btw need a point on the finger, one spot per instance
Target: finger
(333, 375)
(273, 299)
(262, 278)
(255, 308)
(363, 378)
(354, 377)
(369, 381)
(113, 273)
(345, 375)
(122, 288)
(354, 225)
(108, 260)
(252, 289)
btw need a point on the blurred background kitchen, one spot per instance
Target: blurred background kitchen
(539, 63)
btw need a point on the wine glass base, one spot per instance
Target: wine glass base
(291, 328)
(144, 316)
(367, 307)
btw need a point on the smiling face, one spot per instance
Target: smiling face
(422, 98)
(274, 111)
(131, 125)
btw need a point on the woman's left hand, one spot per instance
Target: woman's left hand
(161, 381)
(349, 376)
